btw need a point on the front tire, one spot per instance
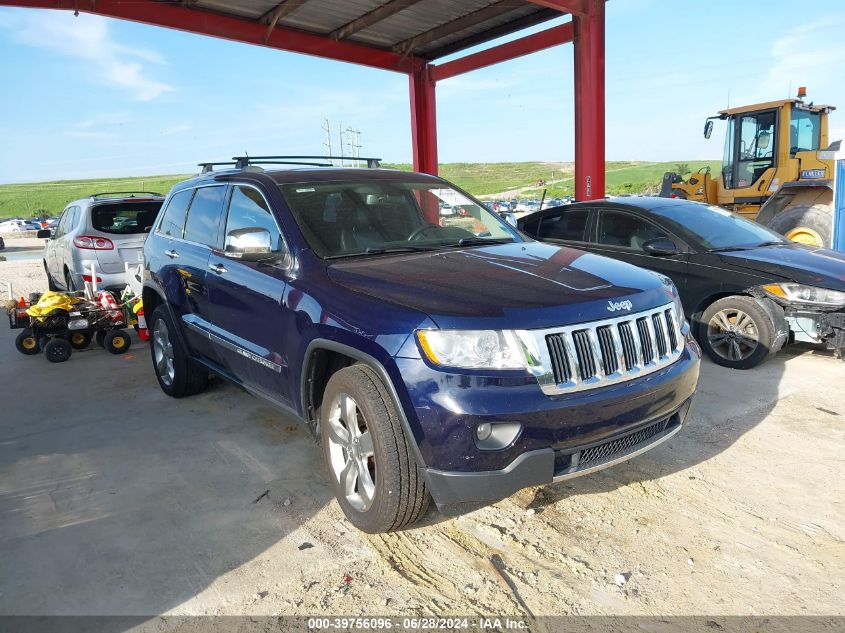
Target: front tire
(51, 285)
(58, 350)
(737, 332)
(178, 375)
(26, 343)
(811, 225)
(375, 476)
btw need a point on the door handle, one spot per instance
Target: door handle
(217, 268)
(171, 254)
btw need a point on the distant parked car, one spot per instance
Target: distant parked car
(104, 230)
(747, 290)
(13, 226)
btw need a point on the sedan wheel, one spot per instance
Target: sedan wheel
(739, 332)
(732, 334)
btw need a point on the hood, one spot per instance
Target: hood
(518, 286)
(801, 264)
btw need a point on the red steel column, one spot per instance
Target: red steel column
(589, 102)
(423, 120)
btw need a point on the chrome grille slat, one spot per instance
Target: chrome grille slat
(589, 355)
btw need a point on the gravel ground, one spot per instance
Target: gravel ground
(740, 514)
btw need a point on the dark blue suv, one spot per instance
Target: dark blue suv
(433, 349)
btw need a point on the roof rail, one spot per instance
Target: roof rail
(243, 161)
(208, 167)
(128, 194)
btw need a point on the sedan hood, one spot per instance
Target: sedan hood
(517, 286)
(802, 264)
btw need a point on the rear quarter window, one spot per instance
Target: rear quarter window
(125, 218)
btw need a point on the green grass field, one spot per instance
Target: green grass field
(481, 179)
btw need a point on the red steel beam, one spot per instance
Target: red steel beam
(195, 20)
(504, 52)
(575, 7)
(589, 103)
(423, 119)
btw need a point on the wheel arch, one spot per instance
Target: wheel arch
(152, 296)
(793, 194)
(314, 353)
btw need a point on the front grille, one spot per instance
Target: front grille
(611, 449)
(570, 462)
(625, 347)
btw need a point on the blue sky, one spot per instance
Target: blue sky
(89, 97)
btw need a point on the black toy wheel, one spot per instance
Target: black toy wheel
(27, 343)
(79, 340)
(100, 337)
(58, 350)
(117, 341)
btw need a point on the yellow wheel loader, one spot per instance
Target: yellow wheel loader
(777, 169)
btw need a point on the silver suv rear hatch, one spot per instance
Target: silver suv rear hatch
(126, 223)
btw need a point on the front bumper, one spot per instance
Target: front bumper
(456, 492)
(810, 326)
(562, 437)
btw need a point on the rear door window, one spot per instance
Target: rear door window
(203, 223)
(564, 225)
(173, 221)
(622, 229)
(126, 218)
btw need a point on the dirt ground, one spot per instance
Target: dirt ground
(218, 505)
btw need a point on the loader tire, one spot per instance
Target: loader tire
(810, 224)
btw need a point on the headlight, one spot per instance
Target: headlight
(472, 349)
(806, 294)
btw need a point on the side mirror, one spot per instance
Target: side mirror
(660, 247)
(251, 244)
(44, 234)
(708, 128)
(509, 217)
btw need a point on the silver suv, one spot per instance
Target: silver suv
(106, 230)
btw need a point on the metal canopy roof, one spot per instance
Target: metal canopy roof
(428, 29)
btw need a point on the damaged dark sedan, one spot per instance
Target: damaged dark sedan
(746, 290)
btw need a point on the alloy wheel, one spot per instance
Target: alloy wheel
(163, 352)
(351, 452)
(732, 334)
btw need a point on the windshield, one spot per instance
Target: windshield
(341, 219)
(804, 131)
(125, 218)
(713, 228)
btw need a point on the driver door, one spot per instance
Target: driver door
(620, 235)
(750, 155)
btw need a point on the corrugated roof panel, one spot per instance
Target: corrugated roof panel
(324, 16)
(253, 9)
(477, 28)
(419, 18)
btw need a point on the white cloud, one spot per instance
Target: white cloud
(87, 38)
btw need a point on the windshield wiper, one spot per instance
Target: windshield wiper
(744, 247)
(480, 241)
(378, 250)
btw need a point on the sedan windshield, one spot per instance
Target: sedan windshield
(341, 219)
(712, 228)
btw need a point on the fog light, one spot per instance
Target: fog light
(496, 435)
(483, 431)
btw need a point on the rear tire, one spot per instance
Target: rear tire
(79, 340)
(58, 350)
(177, 374)
(26, 343)
(117, 341)
(737, 332)
(805, 224)
(376, 479)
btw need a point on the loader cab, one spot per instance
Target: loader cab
(750, 148)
